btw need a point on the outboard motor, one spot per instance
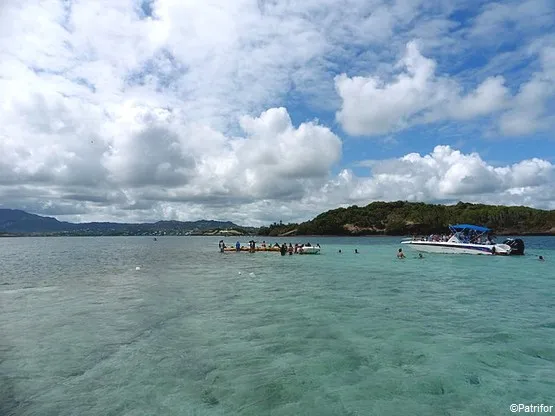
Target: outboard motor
(517, 246)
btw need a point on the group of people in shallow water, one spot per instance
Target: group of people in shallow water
(400, 254)
(283, 248)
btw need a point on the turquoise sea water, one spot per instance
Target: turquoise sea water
(197, 332)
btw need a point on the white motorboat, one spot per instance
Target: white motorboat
(309, 250)
(466, 239)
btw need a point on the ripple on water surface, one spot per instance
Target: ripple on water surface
(196, 332)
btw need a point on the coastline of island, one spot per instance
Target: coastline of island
(377, 219)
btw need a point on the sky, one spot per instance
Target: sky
(258, 111)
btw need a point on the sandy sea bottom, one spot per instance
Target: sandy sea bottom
(196, 332)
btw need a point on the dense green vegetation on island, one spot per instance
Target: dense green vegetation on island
(408, 218)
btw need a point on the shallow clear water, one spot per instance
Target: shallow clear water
(197, 332)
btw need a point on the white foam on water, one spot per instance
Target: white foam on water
(30, 289)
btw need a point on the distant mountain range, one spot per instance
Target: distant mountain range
(16, 222)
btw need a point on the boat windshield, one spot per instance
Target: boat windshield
(474, 237)
(462, 233)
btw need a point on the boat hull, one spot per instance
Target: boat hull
(309, 250)
(458, 248)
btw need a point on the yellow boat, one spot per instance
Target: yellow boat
(256, 249)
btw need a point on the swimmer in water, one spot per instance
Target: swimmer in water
(400, 254)
(356, 251)
(540, 258)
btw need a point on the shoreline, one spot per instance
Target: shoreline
(264, 236)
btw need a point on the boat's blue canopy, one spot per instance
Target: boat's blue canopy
(470, 227)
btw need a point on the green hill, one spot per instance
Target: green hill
(406, 218)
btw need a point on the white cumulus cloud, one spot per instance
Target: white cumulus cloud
(529, 111)
(447, 174)
(416, 95)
